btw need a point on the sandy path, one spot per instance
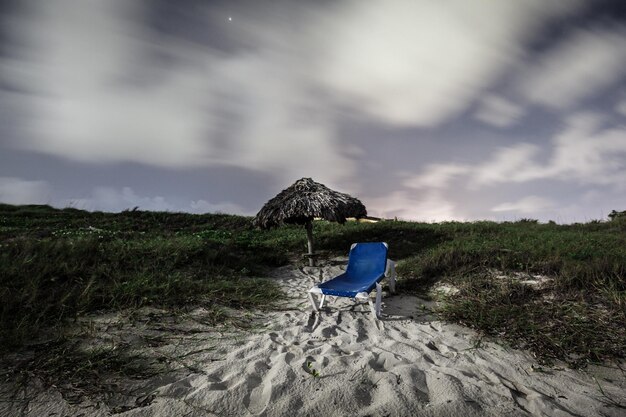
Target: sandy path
(349, 365)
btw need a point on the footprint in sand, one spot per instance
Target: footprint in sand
(329, 332)
(448, 389)
(259, 396)
(382, 362)
(276, 338)
(289, 357)
(428, 359)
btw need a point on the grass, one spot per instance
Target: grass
(575, 317)
(59, 264)
(77, 372)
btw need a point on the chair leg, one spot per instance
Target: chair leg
(313, 304)
(379, 294)
(376, 307)
(322, 302)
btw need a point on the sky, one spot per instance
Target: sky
(424, 110)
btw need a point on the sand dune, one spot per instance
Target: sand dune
(343, 363)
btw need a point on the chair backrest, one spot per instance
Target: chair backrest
(367, 260)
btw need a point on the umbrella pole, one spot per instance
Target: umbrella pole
(309, 237)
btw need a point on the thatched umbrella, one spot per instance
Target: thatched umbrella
(304, 201)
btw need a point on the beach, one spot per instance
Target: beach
(340, 362)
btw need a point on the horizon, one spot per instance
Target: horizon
(424, 112)
(367, 218)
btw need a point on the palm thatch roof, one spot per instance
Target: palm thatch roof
(306, 200)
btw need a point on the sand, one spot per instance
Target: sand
(339, 363)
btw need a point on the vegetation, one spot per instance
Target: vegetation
(617, 215)
(57, 264)
(575, 314)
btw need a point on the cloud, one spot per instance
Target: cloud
(19, 191)
(508, 164)
(583, 152)
(436, 176)
(93, 82)
(203, 206)
(98, 84)
(527, 205)
(113, 199)
(419, 63)
(582, 64)
(620, 107)
(428, 207)
(76, 63)
(587, 153)
(102, 87)
(497, 111)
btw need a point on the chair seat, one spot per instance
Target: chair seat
(346, 286)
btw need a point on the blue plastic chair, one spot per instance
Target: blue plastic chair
(367, 267)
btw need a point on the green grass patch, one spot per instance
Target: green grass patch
(56, 265)
(570, 327)
(577, 318)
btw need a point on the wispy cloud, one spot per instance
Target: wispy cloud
(20, 191)
(437, 176)
(76, 61)
(527, 205)
(203, 206)
(115, 199)
(582, 64)
(430, 206)
(100, 91)
(620, 107)
(508, 164)
(583, 152)
(497, 111)
(419, 63)
(586, 155)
